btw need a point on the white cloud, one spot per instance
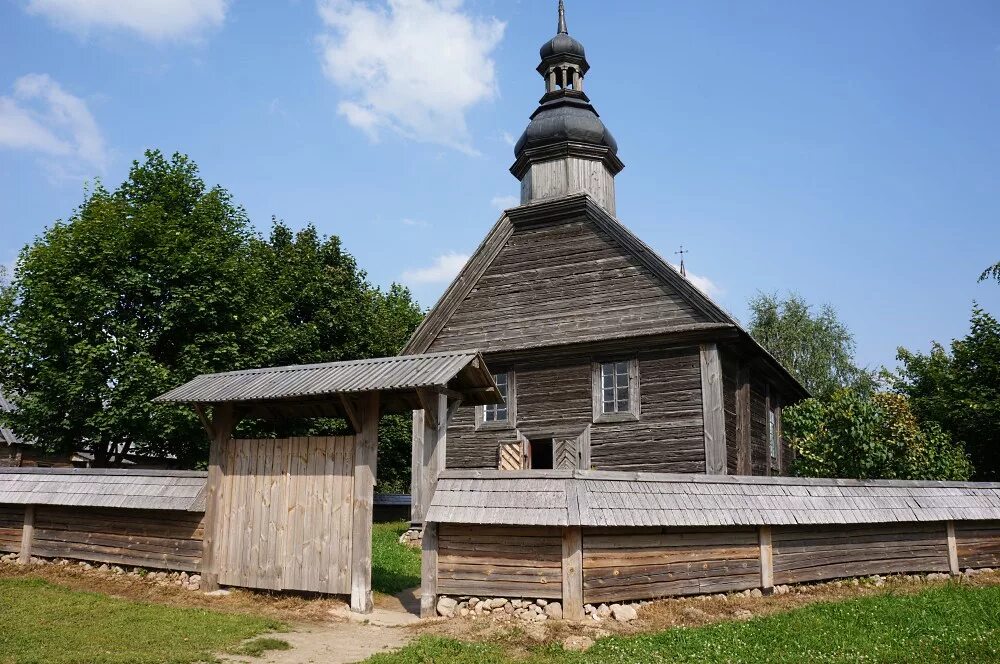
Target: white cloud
(505, 202)
(416, 223)
(704, 284)
(444, 269)
(152, 19)
(43, 118)
(414, 67)
(508, 138)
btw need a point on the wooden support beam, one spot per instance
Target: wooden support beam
(744, 462)
(572, 573)
(713, 410)
(416, 470)
(429, 402)
(205, 423)
(434, 450)
(766, 560)
(953, 566)
(365, 469)
(351, 413)
(27, 535)
(224, 420)
(429, 571)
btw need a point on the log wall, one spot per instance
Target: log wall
(500, 561)
(143, 538)
(830, 552)
(648, 563)
(554, 400)
(978, 544)
(11, 522)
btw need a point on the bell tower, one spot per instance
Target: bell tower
(566, 148)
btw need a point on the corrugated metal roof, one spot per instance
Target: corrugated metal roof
(380, 374)
(593, 498)
(127, 489)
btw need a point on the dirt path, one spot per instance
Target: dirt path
(350, 639)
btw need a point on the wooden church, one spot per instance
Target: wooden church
(608, 358)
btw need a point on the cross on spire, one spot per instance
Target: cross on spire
(562, 19)
(681, 253)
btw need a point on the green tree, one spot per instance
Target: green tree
(857, 435)
(818, 348)
(158, 281)
(992, 272)
(960, 390)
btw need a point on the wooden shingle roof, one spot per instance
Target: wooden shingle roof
(127, 489)
(596, 498)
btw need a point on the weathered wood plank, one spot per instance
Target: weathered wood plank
(714, 413)
(27, 535)
(572, 573)
(766, 559)
(429, 571)
(365, 471)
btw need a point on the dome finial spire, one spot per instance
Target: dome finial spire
(562, 18)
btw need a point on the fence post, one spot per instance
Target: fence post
(27, 534)
(952, 549)
(429, 571)
(766, 561)
(572, 573)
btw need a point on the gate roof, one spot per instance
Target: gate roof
(308, 390)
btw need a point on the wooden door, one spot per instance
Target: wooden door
(285, 514)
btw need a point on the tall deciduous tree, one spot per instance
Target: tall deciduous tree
(156, 282)
(816, 347)
(960, 390)
(992, 272)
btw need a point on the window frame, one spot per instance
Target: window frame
(511, 401)
(633, 413)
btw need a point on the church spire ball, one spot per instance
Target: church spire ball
(565, 129)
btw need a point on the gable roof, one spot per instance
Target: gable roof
(574, 207)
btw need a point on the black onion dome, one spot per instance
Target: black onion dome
(565, 119)
(560, 45)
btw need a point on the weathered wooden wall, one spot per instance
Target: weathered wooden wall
(978, 544)
(286, 509)
(828, 552)
(500, 561)
(657, 562)
(554, 399)
(625, 564)
(143, 538)
(559, 284)
(11, 522)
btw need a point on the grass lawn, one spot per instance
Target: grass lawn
(41, 623)
(395, 567)
(948, 624)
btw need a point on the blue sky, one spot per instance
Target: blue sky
(849, 151)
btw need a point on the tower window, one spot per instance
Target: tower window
(616, 390)
(541, 454)
(503, 415)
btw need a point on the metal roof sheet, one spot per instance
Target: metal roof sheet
(604, 498)
(352, 377)
(129, 489)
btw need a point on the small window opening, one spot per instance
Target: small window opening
(541, 454)
(498, 412)
(615, 387)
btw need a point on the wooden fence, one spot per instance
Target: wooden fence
(161, 539)
(625, 564)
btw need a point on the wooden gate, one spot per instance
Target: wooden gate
(285, 514)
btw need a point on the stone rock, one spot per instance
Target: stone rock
(473, 602)
(218, 593)
(446, 607)
(554, 611)
(742, 614)
(693, 612)
(588, 609)
(509, 609)
(624, 613)
(541, 602)
(536, 632)
(577, 643)
(103, 568)
(756, 593)
(722, 597)
(603, 611)
(497, 603)
(464, 612)
(516, 603)
(781, 590)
